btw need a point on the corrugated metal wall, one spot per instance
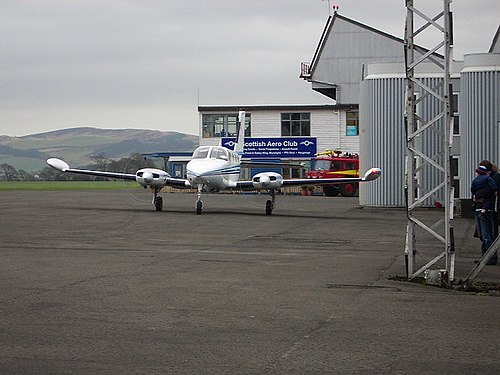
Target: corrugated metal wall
(433, 142)
(382, 140)
(383, 143)
(480, 115)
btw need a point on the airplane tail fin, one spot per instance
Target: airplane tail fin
(240, 140)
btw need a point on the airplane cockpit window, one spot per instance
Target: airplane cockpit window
(201, 153)
(219, 153)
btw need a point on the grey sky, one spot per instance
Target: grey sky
(144, 64)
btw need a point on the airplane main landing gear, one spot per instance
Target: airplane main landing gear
(270, 203)
(199, 203)
(159, 203)
(157, 200)
(269, 207)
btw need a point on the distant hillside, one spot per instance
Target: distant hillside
(75, 145)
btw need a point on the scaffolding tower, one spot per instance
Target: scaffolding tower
(428, 164)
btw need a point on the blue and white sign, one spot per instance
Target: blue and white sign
(270, 148)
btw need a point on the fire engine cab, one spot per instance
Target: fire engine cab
(335, 164)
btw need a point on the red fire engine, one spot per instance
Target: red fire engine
(335, 164)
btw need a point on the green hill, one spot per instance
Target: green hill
(76, 145)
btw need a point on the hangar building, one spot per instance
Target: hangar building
(357, 65)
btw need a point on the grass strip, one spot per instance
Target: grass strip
(66, 185)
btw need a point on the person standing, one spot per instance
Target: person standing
(496, 177)
(484, 190)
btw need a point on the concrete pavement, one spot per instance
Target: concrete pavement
(98, 282)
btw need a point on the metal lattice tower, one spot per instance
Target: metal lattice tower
(429, 139)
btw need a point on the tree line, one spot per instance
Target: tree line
(99, 162)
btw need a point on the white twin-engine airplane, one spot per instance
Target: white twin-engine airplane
(213, 168)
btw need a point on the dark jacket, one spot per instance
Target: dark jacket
(483, 189)
(496, 177)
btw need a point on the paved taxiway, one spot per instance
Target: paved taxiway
(98, 282)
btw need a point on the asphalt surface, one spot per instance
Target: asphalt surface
(100, 283)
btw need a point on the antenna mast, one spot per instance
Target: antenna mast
(429, 136)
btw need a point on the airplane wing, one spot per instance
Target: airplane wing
(178, 183)
(62, 166)
(166, 180)
(370, 175)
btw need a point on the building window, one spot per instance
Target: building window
(456, 115)
(454, 172)
(223, 125)
(352, 123)
(294, 172)
(295, 124)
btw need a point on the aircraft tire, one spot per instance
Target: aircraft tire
(330, 191)
(159, 203)
(269, 207)
(348, 190)
(199, 207)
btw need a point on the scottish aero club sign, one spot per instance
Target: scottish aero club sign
(270, 148)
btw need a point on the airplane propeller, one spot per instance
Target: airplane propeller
(148, 177)
(264, 181)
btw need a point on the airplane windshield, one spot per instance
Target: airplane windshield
(219, 153)
(201, 153)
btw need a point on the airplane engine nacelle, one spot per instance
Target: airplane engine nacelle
(151, 177)
(267, 180)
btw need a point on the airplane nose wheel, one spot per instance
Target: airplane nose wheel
(270, 203)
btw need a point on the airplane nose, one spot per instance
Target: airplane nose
(195, 179)
(194, 171)
(199, 171)
(148, 177)
(196, 176)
